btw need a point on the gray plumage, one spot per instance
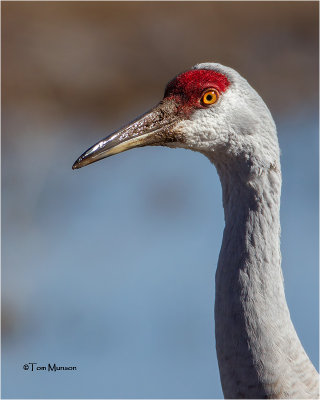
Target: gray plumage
(259, 352)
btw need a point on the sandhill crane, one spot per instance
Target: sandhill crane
(213, 110)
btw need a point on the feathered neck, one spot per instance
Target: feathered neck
(259, 353)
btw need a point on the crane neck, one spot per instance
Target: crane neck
(251, 202)
(255, 338)
(249, 266)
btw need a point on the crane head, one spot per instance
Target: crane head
(210, 109)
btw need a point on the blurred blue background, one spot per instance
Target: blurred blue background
(111, 268)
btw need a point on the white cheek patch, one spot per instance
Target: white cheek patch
(208, 127)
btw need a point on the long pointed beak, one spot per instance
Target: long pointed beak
(153, 128)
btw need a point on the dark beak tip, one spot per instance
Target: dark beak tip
(76, 165)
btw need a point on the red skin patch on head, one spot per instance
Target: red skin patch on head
(186, 89)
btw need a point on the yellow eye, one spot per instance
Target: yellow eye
(210, 97)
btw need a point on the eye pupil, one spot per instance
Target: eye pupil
(209, 97)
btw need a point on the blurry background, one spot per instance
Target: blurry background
(111, 268)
